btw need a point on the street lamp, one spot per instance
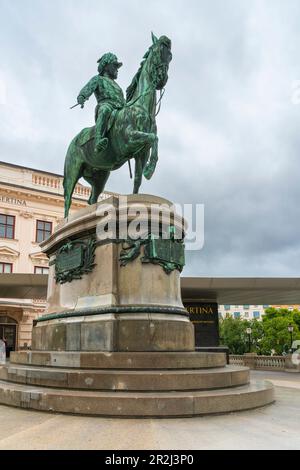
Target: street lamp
(249, 331)
(291, 329)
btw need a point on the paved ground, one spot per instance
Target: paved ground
(273, 427)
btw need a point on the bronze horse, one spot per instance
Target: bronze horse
(132, 131)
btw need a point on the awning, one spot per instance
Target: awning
(242, 291)
(235, 291)
(23, 286)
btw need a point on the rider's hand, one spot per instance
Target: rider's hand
(81, 100)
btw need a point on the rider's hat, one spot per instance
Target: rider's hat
(106, 59)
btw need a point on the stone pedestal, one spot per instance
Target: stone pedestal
(120, 305)
(115, 339)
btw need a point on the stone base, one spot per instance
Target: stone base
(118, 360)
(116, 339)
(214, 349)
(113, 332)
(138, 384)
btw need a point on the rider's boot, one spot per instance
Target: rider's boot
(101, 141)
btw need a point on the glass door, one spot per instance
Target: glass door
(8, 332)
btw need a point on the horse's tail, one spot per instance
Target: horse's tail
(74, 151)
(67, 163)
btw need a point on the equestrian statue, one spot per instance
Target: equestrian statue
(124, 129)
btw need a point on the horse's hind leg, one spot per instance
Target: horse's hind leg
(68, 192)
(97, 181)
(72, 173)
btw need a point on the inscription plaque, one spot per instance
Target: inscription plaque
(168, 253)
(72, 259)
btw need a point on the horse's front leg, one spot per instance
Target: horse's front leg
(140, 143)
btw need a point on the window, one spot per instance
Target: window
(7, 226)
(227, 307)
(43, 230)
(5, 319)
(237, 315)
(256, 314)
(5, 268)
(40, 270)
(246, 314)
(266, 306)
(246, 307)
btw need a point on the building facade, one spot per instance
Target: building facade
(249, 312)
(31, 205)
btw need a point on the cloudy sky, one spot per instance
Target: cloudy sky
(229, 126)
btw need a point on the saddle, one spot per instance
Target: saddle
(87, 134)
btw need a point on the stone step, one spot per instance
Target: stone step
(137, 404)
(120, 360)
(131, 380)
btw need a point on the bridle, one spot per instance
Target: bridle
(157, 68)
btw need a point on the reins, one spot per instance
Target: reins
(162, 92)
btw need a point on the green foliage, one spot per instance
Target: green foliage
(296, 318)
(233, 334)
(269, 335)
(276, 335)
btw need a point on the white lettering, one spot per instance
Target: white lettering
(116, 460)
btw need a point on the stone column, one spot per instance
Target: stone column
(25, 329)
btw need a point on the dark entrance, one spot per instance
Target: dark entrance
(205, 318)
(8, 330)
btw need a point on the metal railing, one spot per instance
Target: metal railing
(261, 362)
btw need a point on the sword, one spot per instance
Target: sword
(76, 105)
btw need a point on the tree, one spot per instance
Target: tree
(234, 335)
(232, 332)
(276, 335)
(257, 335)
(267, 336)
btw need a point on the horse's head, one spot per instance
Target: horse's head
(154, 67)
(159, 57)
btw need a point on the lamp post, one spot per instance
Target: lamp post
(249, 331)
(291, 329)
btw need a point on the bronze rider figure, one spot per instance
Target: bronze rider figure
(109, 96)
